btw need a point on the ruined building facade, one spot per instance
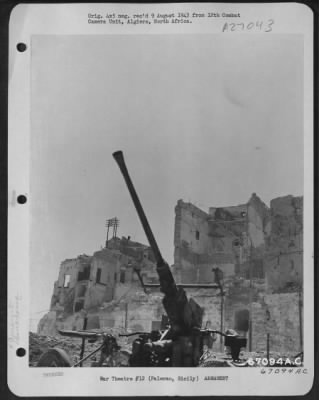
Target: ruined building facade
(105, 287)
(86, 282)
(254, 253)
(259, 250)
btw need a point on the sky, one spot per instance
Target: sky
(209, 119)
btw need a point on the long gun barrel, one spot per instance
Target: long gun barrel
(166, 278)
(185, 316)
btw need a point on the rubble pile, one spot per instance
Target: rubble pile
(39, 344)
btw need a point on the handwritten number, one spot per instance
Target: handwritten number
(259, 24)
(270, 22)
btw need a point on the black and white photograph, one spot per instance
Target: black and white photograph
(167, 200)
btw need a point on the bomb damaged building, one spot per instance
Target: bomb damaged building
(255, 253)
(106, 287)
(245, 264)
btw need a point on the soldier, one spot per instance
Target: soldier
(219, 278)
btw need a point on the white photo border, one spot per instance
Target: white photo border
(71, 19)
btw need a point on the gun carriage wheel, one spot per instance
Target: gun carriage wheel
(54, 358)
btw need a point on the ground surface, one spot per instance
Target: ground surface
(39, 344)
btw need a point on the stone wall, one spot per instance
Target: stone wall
(284, 245)
(190, 239)
(280, 315)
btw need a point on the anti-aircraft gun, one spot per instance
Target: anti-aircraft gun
(182, 343)
(185, 317)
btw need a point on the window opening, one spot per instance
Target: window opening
(67, 279)
(98, 275)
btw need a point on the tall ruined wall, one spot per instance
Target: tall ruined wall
(191, 240)
(284, 245)
(191, 226)
(66, 288)
(232, 238)
(258, 220)
(258, 217)
(286, 224)
(101, 288)
(229, 245)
